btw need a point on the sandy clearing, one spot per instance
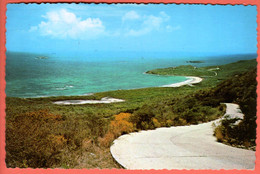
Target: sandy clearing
(78, 102)
(183, 147)
(191, 80)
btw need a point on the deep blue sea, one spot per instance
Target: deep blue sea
(41, 75)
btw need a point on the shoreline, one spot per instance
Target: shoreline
(190, 81)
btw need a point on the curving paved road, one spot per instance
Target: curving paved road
(183, 147)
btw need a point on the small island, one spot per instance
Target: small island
(41, 57)
(195, 61)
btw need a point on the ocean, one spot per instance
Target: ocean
(42, 75)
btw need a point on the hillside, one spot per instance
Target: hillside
(241, 90)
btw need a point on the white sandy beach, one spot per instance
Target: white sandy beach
(182, 147)
(191, 80)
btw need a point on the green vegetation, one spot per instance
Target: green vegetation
(209, 73)
(42, 134)
(242, 90)
(182, 71)
(236, 67)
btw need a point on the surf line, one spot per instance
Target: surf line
(190, 81)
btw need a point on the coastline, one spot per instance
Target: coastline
(190, 81)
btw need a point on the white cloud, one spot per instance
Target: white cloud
(149, 23)
(169, 28)
(164, 16)
(153, 22)
(63, 24)
(131, 15)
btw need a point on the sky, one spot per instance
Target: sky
(53, 28)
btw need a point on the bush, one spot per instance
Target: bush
(218, 133)
(30, 141)
(97, 125)
(156, 123)
(120, 125)
(142, 118)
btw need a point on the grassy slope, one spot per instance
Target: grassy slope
(74, 136)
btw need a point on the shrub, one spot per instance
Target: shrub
(120, 125)
(156, 123)
(218, 133)
(96, 124)
(142, 118)
(107, 139)
(169, 123)
(30, 141)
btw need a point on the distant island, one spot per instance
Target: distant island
(41, 57)
(194, 61)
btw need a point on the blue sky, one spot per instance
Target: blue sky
(51, 28)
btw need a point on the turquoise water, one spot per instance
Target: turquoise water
(60, 75)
